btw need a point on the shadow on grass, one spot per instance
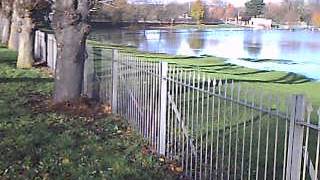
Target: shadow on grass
(289, 78)
(25, 79)
(254, 72)
(8, 63)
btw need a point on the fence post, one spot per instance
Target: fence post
(295, 144)
(115, 76)
(36, 45)
(163, 107)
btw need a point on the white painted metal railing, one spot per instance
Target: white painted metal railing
(215, 128)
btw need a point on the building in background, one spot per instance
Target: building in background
(260, 23)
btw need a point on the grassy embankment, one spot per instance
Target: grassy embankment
(49, 145)
(271, 82)
(203, 26)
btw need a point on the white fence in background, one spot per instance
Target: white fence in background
(214, 128)
(40, 46)
(45, 48)
(1, 28)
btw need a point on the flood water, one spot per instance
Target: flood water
(281, 50)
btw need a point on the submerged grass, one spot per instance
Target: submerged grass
(49, 145)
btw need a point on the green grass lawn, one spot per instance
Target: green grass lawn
(271, 82)
(49, 145)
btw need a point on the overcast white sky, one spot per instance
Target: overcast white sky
(234, 2)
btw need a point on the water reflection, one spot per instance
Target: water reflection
(252, 43)
(300, 47)
(196, 42)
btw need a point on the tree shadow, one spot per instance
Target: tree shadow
(289, 78)
(254, 72)
(25, 79)
(8, 63)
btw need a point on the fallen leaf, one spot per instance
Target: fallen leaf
(179, 169)
(65, 161)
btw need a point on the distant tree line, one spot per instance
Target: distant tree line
(120, 10)
(291, 12)
(287, 12)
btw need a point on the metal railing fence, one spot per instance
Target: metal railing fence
(214, 128)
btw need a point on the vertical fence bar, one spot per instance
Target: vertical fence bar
(244, 135)
(295, 139)
(276, 139)
(230, 129)
(212, 128)
(192, 121)
(180, 108)
(152, 105)
(197, 125)
(318, 147)
(207, 127)
(172, 90)
(188, 85)
(305, 153)
(259, 136)
(172, 119)
(285, 140)
(175, 120)
(218, 129)
(184, 117)
(251, 135)
(144, 104)
(224, 128)
(157, 109)
(237, 133)
(163, 107)
(202, 125)
(267, 141)
(114, 80)
(148, 94)
(168, 144)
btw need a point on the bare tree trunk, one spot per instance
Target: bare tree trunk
(70, 65)
(25, 53)
(14, 34)
(71, 30)
(6, 23)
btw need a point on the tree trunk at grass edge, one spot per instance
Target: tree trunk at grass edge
(70, 22)
(13, 43)
(6, 23)
(26, 39)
